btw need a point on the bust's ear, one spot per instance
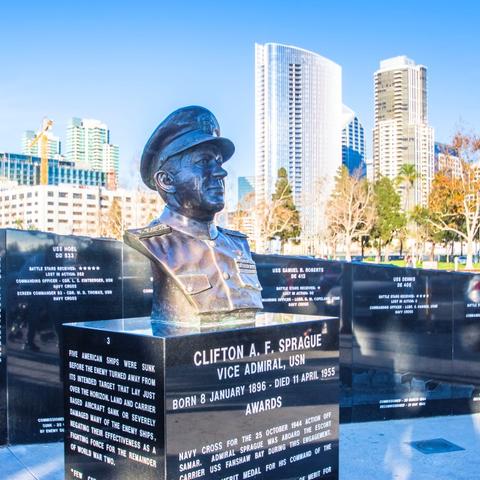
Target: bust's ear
(164, 181)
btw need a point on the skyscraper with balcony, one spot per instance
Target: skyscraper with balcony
(88, 145)
(298, 123)
(401, 133)
(353, 144)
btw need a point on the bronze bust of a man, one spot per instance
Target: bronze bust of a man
(200, 271)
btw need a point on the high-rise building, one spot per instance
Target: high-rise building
(88, 145)
(369, 169)
(54, 144)
(75, 144)
(246, 185)
(298, 123)
(401, 134)
(353, 143)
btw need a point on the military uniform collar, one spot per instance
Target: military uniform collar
(194, 228)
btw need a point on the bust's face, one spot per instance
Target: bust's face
(198, 180)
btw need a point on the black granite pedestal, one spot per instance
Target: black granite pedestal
(256, 401)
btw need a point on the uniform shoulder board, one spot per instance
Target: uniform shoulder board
(233, 233)
(152, 231)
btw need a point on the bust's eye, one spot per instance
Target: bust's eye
(203, 161)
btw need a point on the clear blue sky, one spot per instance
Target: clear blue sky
(129, 64)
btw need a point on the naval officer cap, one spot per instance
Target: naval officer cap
(183, 129)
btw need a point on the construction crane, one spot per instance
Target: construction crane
(41, 138)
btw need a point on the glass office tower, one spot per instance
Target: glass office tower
(353, 144)
(298, 123)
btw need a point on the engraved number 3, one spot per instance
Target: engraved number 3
(108, 340)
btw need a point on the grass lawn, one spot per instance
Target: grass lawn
(441, 265)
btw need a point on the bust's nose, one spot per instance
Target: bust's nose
(218, 171)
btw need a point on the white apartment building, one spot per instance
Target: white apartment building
(298, 126)
(71, 209)
(401, 134)
(88, 145)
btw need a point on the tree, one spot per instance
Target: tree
(389, 220)
(425, 230)
(279, 217)
(406, 178)
(242, 216)
(112, 226)
(19, 224)
(455, 196)
(350, 209)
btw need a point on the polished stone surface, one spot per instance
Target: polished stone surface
(252, 400)
(440, 359)
(466, 344)
(313, 286)
(402, 342)
(49, 279)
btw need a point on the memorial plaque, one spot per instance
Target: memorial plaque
(50, 279)
(252, 402)
(302, 285)
(466, 344)
(402, 350)
(299, 285)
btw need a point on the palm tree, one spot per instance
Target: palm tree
(406, 177)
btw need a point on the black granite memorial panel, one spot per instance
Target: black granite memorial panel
(3, 350)
(50, 279)
(254, 402)
(299, 285)
(137, 284)
(402, 350)
(346, 361)
(466, 344)
(113, 403)
(305, 285)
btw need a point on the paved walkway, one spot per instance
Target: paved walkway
(369, 451)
